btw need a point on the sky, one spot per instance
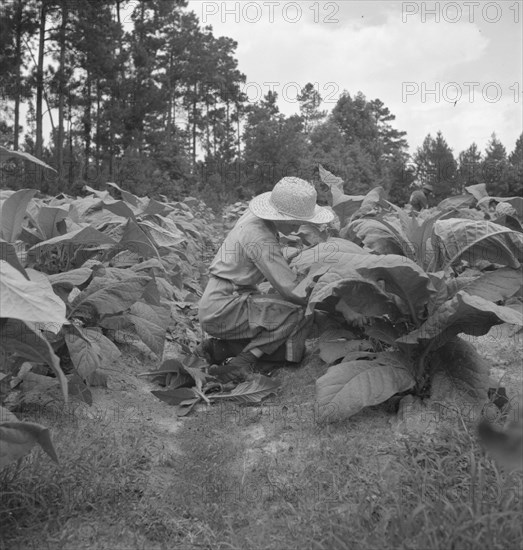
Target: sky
(450, 66)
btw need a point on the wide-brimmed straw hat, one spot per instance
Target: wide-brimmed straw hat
(291, 199)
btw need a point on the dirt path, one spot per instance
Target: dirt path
(232, 477)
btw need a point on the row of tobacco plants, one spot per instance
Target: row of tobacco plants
(401, 287)
(77, 276)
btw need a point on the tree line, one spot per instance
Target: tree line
(140, 93)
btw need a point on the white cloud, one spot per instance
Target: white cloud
(377, 53)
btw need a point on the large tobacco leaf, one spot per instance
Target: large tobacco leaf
(361, 296)
(401, 277)
(475, 241)
(6, 153)
(150, 323)
(12, 212)
(347, 388)
(28, 300)
(325, 254)
(19, 338)
(73, 277)
(85, 352)
(18, 438)
(108, 297)
(88, 237)
(374, 235)
(50, 221)
(495, 286)
(367, 282)
(135, 240)
(463, 313)
(8, 254)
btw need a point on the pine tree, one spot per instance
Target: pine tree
(310, 101)
(436, 166)
(469, 167)
(495, 166)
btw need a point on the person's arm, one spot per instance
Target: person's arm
(268, 258)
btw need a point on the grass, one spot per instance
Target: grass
(260, 478)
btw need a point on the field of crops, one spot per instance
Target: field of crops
(85, 279)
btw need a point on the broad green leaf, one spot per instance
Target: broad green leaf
(174, 397)
(78, 388)
(473, 241)
(86, 236)
(127, 196)
(362, 296)
(345, 206)
(458, 372)
(347, 388)
(18, 438)
(334, 183)
(6, 153)
(463, 313)
(49, 219)
(150, 323)
(80, 209)
(401, 277)
(19, 338)
(110, 298)
(478, 191)
(252, 391)
(72, 278)
(161, 237)
(456, 202)
(324, 255)
(85, 354)
(8, 254)
(96, 193)
(13, 212)
(120, 208)
(332, 350)
(109, 351)
(495, 286)
(154, 207)
(135, 240)
(376, 236)
(28, 301)
(151, 294)
(372, 200)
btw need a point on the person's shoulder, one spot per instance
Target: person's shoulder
(251, 227)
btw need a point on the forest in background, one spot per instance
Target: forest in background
(141, 94)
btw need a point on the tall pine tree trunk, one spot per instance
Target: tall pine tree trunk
(87, 120)
(61, 90)
(40, 82)
(98, 122)
(70, 175)
(18, 89)
(194, 111)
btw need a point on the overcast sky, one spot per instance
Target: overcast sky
(398, 52)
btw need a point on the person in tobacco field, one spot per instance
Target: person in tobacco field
(419, 198)
(254, 328)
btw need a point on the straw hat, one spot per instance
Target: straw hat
(428, 187)
(291, 199)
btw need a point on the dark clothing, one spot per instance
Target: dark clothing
(418, 200)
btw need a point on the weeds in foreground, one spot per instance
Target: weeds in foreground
(262, 478)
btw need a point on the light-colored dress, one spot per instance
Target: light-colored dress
(233, 308)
